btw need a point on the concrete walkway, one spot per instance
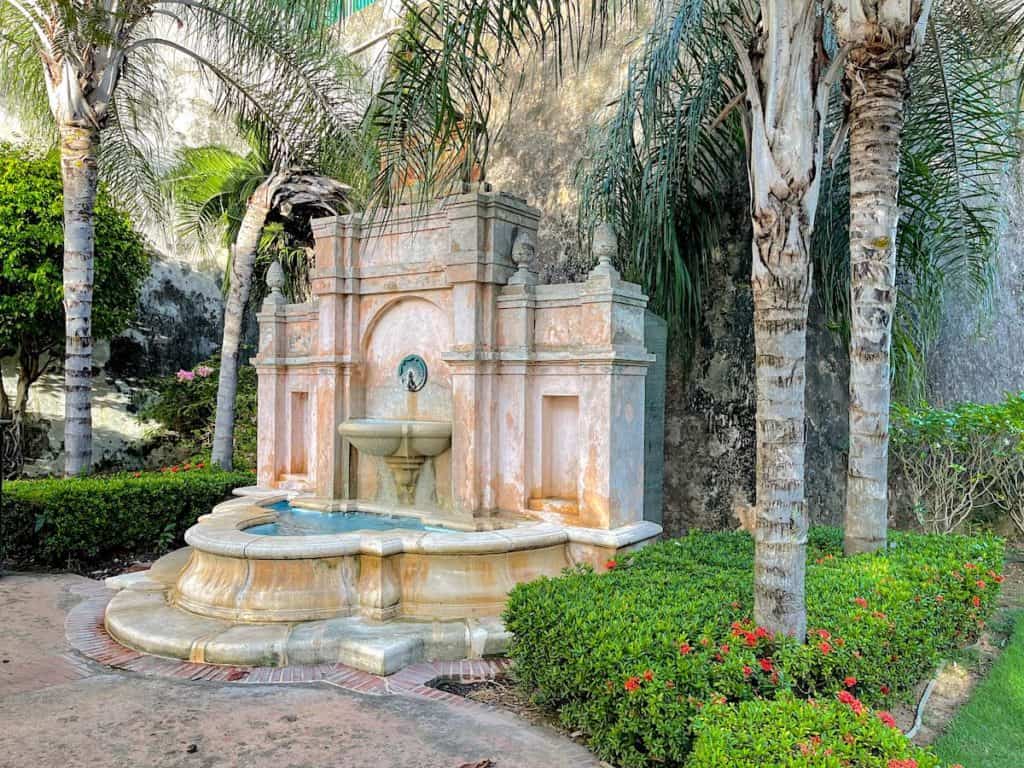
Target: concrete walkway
(59, 710)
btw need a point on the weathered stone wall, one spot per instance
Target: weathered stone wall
(980, 351)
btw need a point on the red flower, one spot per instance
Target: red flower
(860, 601)
(998, 578)
(850, 681)
(724, 648)
(648, 675)
(611, 565)
(747, 671)
(199, 465)
(851, 701)
(632, 684)
(705, 642)
(976, 601)
(825, 648)
(970, 566)
(761, 633)
(751, 640)
(886, 718)
(897, 763)
(685, 648)
(766, 664)
(885, 690)
(174, 469)
(136, 474)
(980, 583)
(824, 634)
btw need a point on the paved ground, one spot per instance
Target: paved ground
(59, 710)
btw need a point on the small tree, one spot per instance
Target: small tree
(31, 258)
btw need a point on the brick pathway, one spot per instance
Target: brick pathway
(70, 695)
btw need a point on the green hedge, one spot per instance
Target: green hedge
(790, 733)
(79, 522)
(631, 656)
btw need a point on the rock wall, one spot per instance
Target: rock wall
(980, 351)
(179, 323)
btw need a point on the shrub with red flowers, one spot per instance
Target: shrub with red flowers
(791, 732)
(681, 610)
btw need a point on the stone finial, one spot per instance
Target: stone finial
(275, 282)
(605, 246)
(523, 251)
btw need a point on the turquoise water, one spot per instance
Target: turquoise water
(292, 521)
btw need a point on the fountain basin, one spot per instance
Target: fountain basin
(327, 593)
(404, 444)
(397, 437)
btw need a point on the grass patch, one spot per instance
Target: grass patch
(989, 731)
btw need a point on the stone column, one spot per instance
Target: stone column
(270, 373)
(335, 286)
(482, 227)
(614, 366)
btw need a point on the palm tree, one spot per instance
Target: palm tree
(884, 39)
(220, 194)
(98, 65)
(662, 164)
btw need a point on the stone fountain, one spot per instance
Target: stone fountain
(448, 427)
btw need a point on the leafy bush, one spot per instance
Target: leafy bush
(185, 404)
(791, 733)
(84, 521)
(958, 462)
(677, 614)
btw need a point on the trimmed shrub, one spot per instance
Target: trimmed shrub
(85, 521)
(962, 465)
(631, 656)
(790, 733)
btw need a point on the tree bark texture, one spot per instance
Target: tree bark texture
(78, 149)
(246, 245)
(883, 38)
(784, 72)
(876, 125)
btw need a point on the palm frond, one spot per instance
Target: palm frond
(664, 165)
(435, 116)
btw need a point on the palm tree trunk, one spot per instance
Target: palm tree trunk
(878, 89)
(246, 245)
(787, 76)
(781, 287)
(78, 148)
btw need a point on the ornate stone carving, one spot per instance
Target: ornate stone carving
(523, 251)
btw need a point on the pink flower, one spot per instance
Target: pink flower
(203, 371)
(183, 375)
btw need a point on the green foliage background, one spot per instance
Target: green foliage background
(185, 410)
(32, 252)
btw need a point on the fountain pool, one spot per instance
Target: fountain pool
(297, 521)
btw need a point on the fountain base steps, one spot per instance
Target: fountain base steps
(140, 616)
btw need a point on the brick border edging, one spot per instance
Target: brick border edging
(87, 635)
